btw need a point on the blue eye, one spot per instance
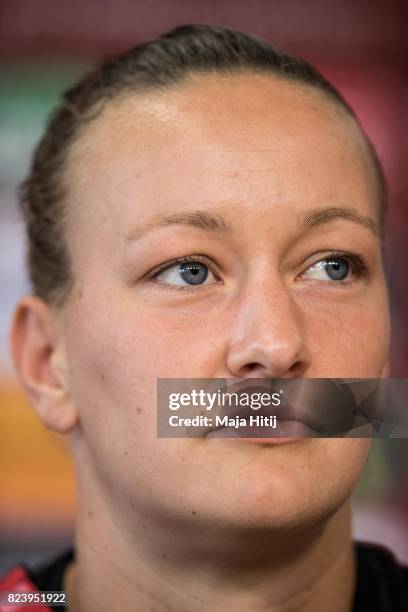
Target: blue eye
(186, 273)
(193, 273)
(334, 268)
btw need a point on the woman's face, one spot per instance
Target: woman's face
(258, 180)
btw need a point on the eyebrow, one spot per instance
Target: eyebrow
(318, 216)
(202, 219)
(214, 222)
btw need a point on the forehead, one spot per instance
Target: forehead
(245, 140)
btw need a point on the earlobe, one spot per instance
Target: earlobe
(38, 355)
(58, 416)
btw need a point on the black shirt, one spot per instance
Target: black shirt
(382, 583)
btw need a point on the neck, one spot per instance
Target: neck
(143, 569)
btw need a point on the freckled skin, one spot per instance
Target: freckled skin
(258, 151)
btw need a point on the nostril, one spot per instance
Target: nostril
(252, 366)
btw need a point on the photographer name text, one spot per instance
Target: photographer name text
(223, 421)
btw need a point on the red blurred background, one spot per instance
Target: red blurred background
(362, 48)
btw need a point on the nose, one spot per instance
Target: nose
(266, 336)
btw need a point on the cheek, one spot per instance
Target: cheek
(349, 340)
(117, 349)
(107, 356)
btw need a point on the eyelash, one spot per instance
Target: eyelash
(357, 265)
(200, 258)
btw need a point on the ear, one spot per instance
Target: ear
(38, 353)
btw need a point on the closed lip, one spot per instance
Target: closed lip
(292, 421)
